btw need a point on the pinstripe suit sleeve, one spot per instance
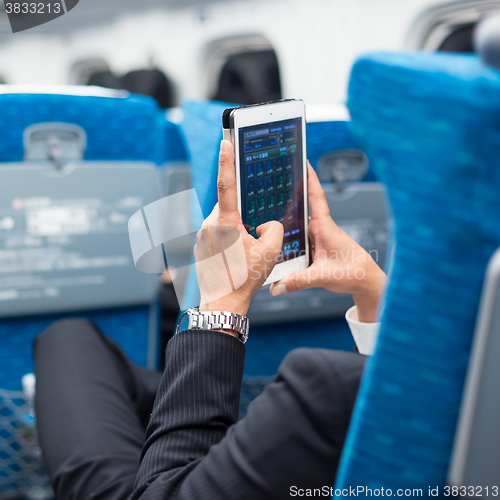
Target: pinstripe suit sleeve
(197, 401)
(292, 435)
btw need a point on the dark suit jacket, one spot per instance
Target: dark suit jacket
(292, 435)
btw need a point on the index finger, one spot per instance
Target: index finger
(226, 182)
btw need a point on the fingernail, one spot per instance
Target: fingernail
(223, 146)
(279, 289)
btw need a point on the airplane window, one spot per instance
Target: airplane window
(249, 78)
(459, 40)
(447, 27)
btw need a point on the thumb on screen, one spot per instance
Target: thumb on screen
(271, 235)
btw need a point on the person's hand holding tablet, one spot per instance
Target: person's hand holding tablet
(339, 265)
(222, 231)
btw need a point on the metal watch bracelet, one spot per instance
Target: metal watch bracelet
(217, 320)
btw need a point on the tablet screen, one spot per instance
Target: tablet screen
(272, 178)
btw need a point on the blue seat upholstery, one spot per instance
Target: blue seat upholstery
(202, 128)
(175, 148)
(128, 327)
(52, 271)
(328, 136)
(429, 123)
(125, 127)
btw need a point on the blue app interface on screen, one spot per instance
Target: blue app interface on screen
(272, 180)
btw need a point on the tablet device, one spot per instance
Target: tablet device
(271, 174)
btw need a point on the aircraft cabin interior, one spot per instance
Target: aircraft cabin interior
(111, 164)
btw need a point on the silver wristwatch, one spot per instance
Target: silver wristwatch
(214, 320)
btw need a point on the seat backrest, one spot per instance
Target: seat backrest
(64, 247)
(429, 124)
(176, 178)
(64, 250)
(119, 126)
(175, 146)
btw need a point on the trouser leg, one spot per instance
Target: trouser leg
(93, 405)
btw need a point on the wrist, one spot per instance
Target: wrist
(226, 304)
(367, 299)
(366, 306)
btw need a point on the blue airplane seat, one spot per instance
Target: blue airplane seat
(73, 169)
(174, 169)
(202, 128)
(429, 123)
(117, 126)
(175, 147)
(268, 344)
(325, 137)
